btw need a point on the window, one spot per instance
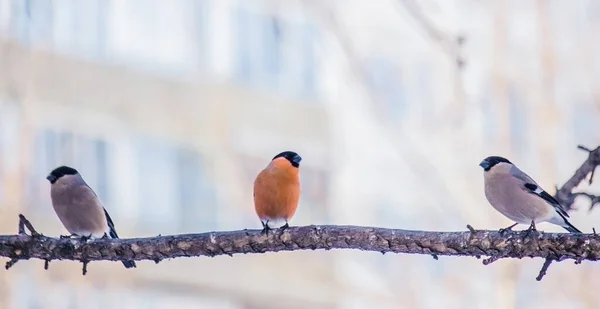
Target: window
(201, 21)
(384, 78)
(157, 185)
(273, 53)
(244, 37)
(196, 193)
(300, 62)
(80, 27)
(308, 75)
(31, 21)
(102, 170)
(157, 38)
(4, 17)
(271, 49)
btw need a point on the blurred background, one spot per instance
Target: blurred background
(169, 109)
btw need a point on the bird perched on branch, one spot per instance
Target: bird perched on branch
(79, 208)
(277, 191)
(517, 196)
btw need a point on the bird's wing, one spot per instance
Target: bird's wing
(530, 186)
(112, 232)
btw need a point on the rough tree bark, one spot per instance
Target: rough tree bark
(477, 243)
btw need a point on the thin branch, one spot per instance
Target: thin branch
(449, 43)
(565, 194)
(23, 222)
(544, 269)
(594, 199)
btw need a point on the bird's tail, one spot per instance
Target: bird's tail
(128, 263)
(568, 226)
(113, 234)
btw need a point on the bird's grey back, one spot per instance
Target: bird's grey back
(517, 173)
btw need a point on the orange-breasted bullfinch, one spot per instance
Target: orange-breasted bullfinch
(517, 196)
(79, 208)
(277, 191)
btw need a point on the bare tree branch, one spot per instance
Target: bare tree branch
(493, 244)
(565, 195)
(449, 43)
(553, 246)
(558, 246)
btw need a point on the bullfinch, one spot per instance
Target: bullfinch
(79, 208)
(514, 194)
(277, 191)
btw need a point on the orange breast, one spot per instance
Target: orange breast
(277, 192)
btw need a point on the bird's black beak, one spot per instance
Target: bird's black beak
(296, 159)
(51, 178)
(485, 165)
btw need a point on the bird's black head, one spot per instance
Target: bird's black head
(489, 162)
(59, 172)
(291, 156)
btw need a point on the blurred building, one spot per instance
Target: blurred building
(170, 110)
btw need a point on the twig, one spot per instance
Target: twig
(584, 148)
(450, 44)
(23, 222)
(565, 194)
(544, 269)
(594, 199)
(84, 268)
(490, 260)
(10, 263)
(590, 154)
(21, 225)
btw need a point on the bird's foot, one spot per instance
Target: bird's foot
(105, 236)
(283, 227)
(85, 238)
(531, 229)
(506, 229)
(266, 228)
